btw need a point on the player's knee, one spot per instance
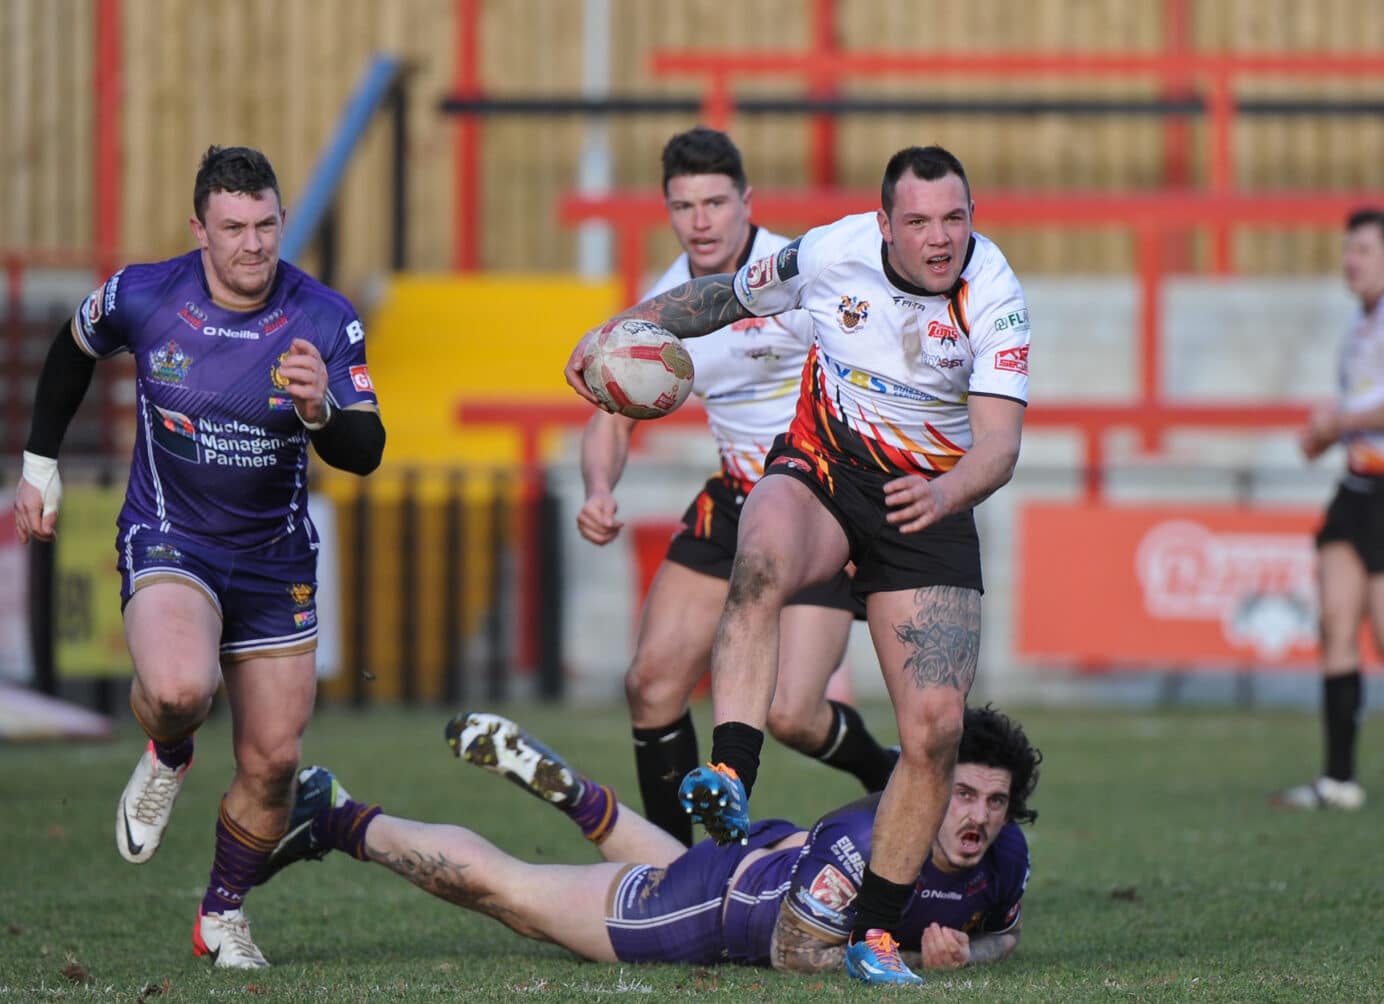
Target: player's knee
(790, 722)
(929, 737)
(179, 705)
(755, 578)
(655, 695)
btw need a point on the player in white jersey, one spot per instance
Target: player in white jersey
(1350, 544)
(910, 413)
(747, 375)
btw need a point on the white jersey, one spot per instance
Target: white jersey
(747, 373)
(1361, 380)
(892, 366)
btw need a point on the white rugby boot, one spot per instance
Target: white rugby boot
(146, 805)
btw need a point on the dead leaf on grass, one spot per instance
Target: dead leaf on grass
(1128, 893)
(75, 972)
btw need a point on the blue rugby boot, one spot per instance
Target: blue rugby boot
(318, 791)
(498, 745)
(714, 796)
(877, 960)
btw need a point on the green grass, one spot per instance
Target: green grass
(1159, 872)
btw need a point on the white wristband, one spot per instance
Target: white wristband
(42, 473)
(326, 417)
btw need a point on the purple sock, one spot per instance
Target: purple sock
(343, 828)
(238, 859)
(595, 811)
(176, 755)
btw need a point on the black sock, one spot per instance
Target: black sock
(879, 905)
(662, 757)
(1341, 702)
(737, 745)
(851, 748)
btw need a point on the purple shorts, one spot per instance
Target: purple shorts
(673, 914)
(267, 598)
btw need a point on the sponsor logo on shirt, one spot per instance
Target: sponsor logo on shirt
(787, 261)
(112, 284)
(193, 316)
(176, 433)
(832, 889)
(360, 378)
(850, 858)
(852, 312)
(1015, 360)
(1015, 321)
(944, 333)
(938, 894)
(870, 382)
(278, 403)
(305, 618)
(213, 331)
(750, 324)
(760, 273)
(169, 363)
(274, 321)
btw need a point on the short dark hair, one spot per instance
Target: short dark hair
(993, 739)
(1366, 216)
(702, 151)
(236, 169)
(927, 162)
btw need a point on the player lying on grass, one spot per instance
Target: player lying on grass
(783, 898)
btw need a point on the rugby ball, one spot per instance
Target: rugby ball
(637, 369)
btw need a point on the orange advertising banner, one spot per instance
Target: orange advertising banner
(1200, 587)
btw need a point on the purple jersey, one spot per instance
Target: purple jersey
(219, 451)
(820, 881)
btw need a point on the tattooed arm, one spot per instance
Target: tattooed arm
(797, 948)
(695, 308)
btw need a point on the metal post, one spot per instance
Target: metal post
(454, 611)
(398, 258)
(358, 597)
(548, 590)
(497, 661)
(408, 587)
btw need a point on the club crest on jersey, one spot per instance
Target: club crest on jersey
(279, 381)
(852, 312)
(163, 554)
(832, 889)
(169, 364)
(301, 592)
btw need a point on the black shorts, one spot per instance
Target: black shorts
(706, 544)
(1356, 516)
(947, 553)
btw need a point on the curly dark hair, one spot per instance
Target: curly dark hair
(236, 169)
(993, 739)
(702, 151)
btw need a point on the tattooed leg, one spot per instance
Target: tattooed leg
(928, 641)
(564, 904)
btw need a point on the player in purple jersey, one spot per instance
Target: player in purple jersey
(241, 360)
(747, 379)
(784, 899)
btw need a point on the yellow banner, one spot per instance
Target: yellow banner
(89, 636)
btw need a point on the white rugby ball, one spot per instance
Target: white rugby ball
(638, 369)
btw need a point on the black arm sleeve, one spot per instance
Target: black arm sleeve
(62, 383)
(352, 441)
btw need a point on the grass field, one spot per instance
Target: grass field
(1159, 872)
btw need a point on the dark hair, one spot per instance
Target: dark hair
(702, 151)
(1366, 216)
(992, 739)
(236, 169)
(927, 162)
